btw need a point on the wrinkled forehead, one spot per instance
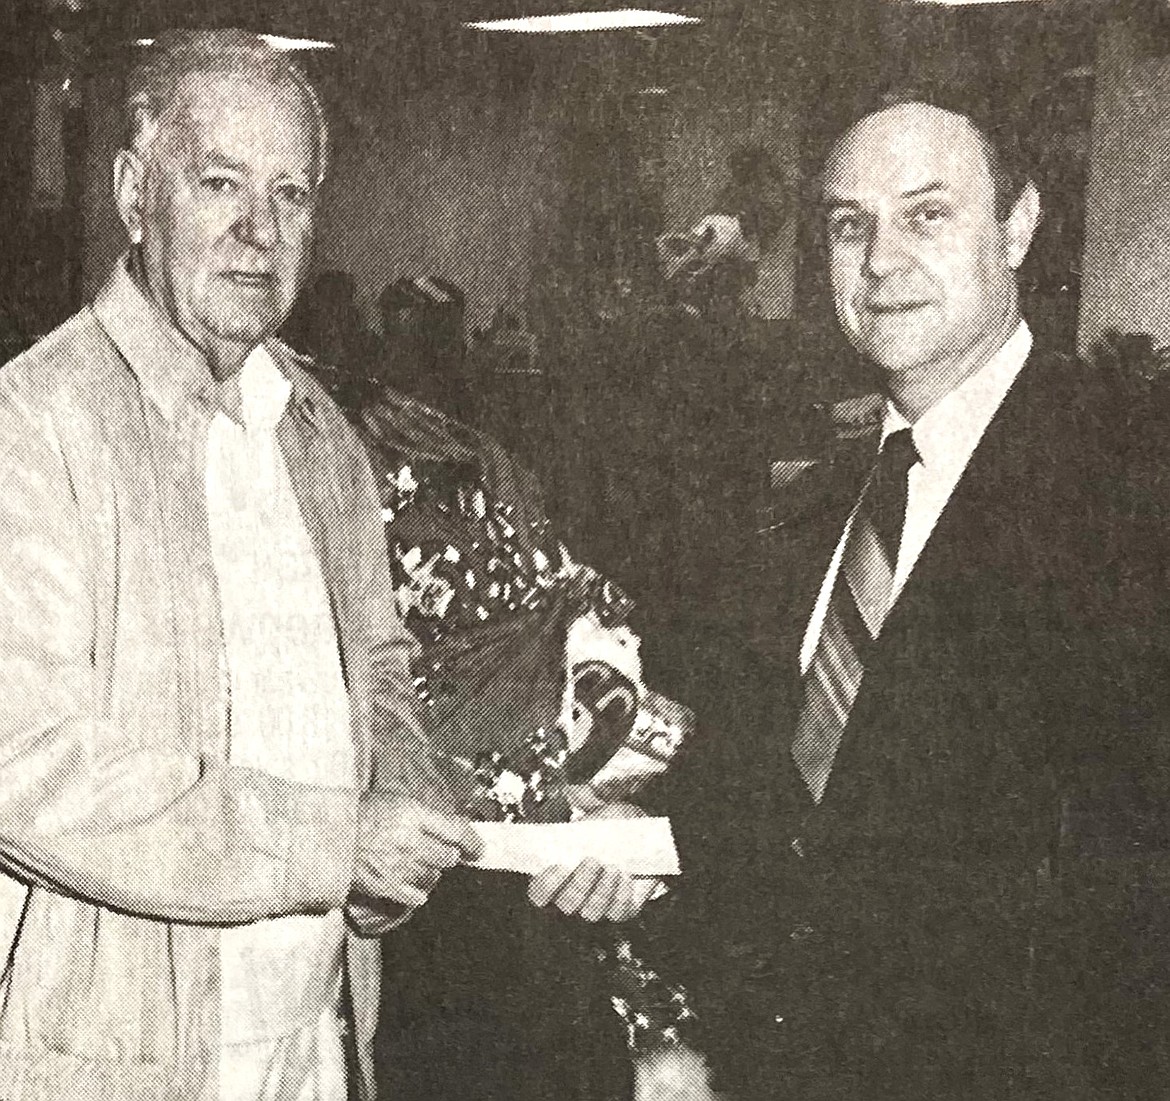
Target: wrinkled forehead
(243, 117)
(904, 149)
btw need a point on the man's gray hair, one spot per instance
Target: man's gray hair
(155, 83)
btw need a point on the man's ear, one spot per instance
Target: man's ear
(1021, 224)
(130, 192)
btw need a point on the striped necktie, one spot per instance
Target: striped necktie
(857, 609)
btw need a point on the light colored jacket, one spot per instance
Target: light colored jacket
(126, 835)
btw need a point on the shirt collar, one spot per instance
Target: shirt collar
(948, 432)
(264, 391)
(173, 373)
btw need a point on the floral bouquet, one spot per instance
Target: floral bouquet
(530, 676)
(532, 680)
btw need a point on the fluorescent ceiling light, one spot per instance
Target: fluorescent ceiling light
(623, 19)
(279, 42)
(276, 41)
(971, 3)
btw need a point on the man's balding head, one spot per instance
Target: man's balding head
(177, 60)
(218, 186)
(926, 228)
(997, 127)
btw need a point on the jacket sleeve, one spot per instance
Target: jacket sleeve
(102, 813)
(403, 759)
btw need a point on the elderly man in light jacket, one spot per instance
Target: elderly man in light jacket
(209, 757)
(210, 762)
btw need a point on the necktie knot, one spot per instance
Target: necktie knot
(885, 499)
(898, 454)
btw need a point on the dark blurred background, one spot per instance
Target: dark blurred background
(503, 210)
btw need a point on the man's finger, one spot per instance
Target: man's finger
(423, 876)
(370, 918)
(644, 889)
(581, 884)
(436, 854)
(406, 881)
(471, 843)
(544, 887)
(622, 907)
(604, 895)
(448, 828)
(405, 893)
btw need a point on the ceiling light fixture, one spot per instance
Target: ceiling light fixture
(971, 3)
(277, 42)
(622, 19)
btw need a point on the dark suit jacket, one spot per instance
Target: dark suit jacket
(977, 910)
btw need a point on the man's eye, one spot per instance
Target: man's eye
(219, 185)
(930, 216)
(844, 227)
(295, 194)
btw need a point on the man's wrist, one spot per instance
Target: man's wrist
(322, 853)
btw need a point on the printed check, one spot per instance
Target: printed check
(639, 846)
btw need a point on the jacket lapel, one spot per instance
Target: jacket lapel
(312, 468)
(310, 472)
(312, 464)
(975, 545)
(985, 510)
(797, 531)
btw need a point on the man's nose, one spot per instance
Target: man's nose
(259, 224)
(885, 251)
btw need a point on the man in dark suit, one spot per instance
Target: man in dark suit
(923, 836)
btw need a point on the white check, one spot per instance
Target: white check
(639, 846)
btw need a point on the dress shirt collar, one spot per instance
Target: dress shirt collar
(947, 433)
(173, 373)
(264, 391)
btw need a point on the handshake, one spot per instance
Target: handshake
(404, 846)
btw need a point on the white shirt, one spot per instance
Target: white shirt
(946, 436)
(289, 719)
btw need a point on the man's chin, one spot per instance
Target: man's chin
(251, 327)
(894, 356)
(228, 341)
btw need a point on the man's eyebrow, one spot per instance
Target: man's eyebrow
(925, 189)
(220, 160)
(834, 202)
(214, 159)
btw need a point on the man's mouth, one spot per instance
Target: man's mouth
(250, 280)
(887, 308)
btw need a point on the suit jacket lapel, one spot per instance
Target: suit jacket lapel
(312, 469)
(798, 530)
(312, 465)
(977, 535)
(985, 507)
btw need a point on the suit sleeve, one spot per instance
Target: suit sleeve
(101, 813)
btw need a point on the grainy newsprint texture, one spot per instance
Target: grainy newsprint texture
(559, 552)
